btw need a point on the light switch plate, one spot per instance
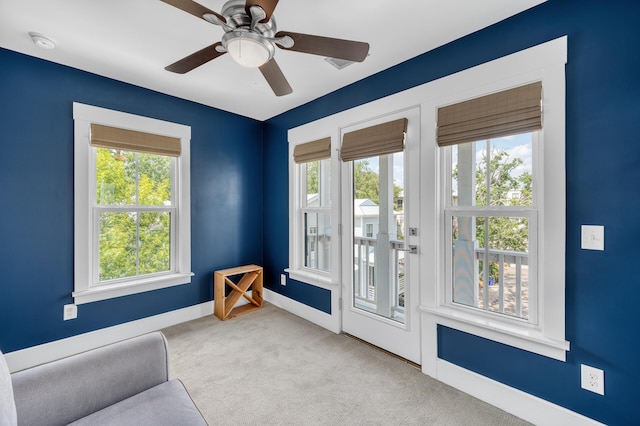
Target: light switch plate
(593, 237)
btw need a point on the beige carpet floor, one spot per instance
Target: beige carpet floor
(272, 368)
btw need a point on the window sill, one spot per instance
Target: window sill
(104, 292)
(315, 279)
(521, 337)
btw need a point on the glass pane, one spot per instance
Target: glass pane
(318, 183)
(378, 235)
(325, 183)
(115, 177)
(317, 240)
(312, 174)
(117, 239)
(154, 180)
(155, 242)
(490, 264)
(510, 172)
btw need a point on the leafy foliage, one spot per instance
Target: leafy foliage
(366, 184)
(135, 233)
(504, 233)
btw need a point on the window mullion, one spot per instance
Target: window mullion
(485, 269)
(137, 243)
(488, 172)
(137, 214)
(485, 243)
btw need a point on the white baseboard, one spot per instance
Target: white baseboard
(521, 404)
(328, 321)
(35, 355)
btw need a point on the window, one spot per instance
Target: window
(312, 243)
(134, 211)
(491, 236)
(369, 230)
(132, 215)
(316, 214)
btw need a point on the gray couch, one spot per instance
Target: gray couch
(126, 383)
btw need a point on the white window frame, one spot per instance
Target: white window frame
(546, 334)
(296, 269)
(544, 62)
(86, 256)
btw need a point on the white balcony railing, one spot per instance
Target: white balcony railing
(365, 280)
(506, 293)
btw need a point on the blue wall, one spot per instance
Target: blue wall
(603, 171)
(36, 189)
(232, 223)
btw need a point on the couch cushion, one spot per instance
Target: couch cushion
(7, 404)
(165, 404)
(90, 381)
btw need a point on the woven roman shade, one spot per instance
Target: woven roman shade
(312, 151)
(131, 140)
(504, 113)
(385, 138)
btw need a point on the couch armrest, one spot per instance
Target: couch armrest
(65, 390)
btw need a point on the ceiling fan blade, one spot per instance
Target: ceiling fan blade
(272, 73)
(355, 51)
(195, 59)
(196, 9)
(267, 5)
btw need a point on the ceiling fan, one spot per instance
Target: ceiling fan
(250, 37)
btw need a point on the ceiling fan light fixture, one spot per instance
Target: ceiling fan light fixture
(247, 48)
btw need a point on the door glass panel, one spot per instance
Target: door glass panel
(378, 236)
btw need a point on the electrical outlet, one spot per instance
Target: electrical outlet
(592, 379)
(70, 312)
(283, 279)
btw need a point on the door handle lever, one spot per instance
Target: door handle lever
(413, 249)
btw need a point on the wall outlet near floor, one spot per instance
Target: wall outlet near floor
(592, 379)
(283, 279)
(70, 312)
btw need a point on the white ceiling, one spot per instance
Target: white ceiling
(133, 40)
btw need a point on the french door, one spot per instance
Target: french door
(381, 243)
